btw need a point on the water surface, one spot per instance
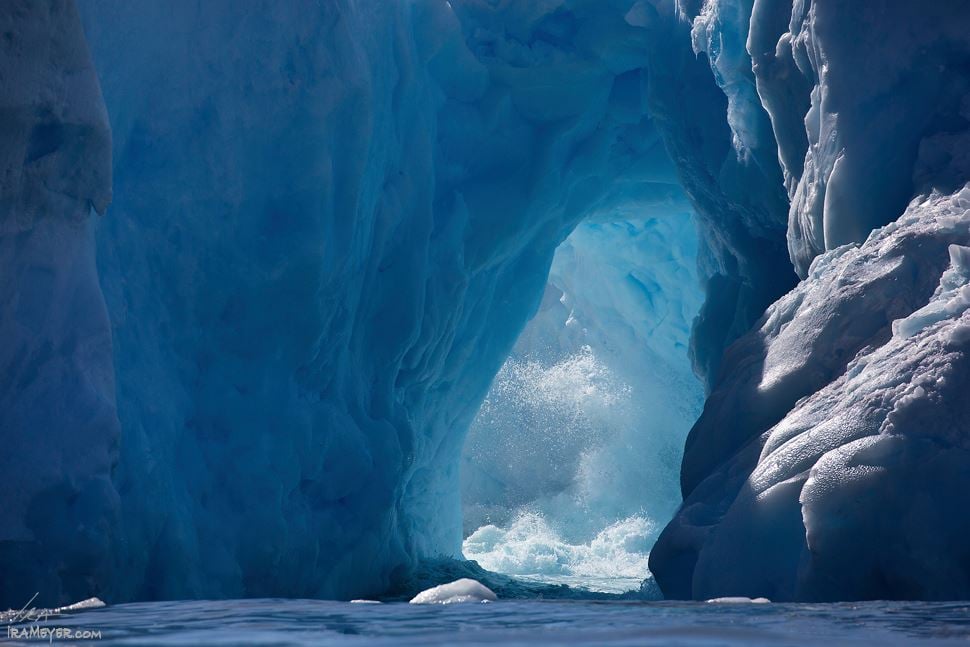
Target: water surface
(519, 622)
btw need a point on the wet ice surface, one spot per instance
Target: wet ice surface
(309, 622)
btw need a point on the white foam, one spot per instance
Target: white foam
(615, 560)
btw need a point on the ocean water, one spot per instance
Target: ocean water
(513, 622)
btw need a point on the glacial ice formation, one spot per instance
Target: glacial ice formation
(331, 222)
(863, 99)
(830, 460)
(57, 409)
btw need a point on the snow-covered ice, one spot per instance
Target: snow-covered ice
(831, 461)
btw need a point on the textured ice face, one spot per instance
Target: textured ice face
(863, 101)
(831, 461)
(868, 106)
(863, 98)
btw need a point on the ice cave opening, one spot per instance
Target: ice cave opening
(571, 467)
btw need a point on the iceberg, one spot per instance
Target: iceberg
(807, 477)
(739, 600)
(867, 105)
(830, 462)
(331, 226)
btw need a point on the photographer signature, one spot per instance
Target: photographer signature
(28, 613)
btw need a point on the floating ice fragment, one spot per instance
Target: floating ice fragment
(90, 603)
(739, 600)
(463, 590)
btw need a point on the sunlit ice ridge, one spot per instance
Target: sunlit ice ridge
(263, 263)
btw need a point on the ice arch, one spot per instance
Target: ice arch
(330, 223)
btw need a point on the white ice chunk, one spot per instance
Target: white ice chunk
(83, 605)
(951, 299)
(459, 591)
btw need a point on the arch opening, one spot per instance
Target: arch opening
(570, 469)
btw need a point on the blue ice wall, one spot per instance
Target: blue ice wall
(855, 139)
(57, 404)
(331, 223)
